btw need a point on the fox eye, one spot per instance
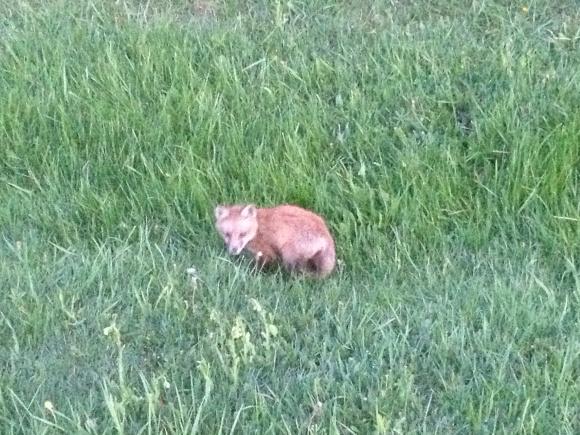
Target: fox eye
(227, 235)
(242, 235)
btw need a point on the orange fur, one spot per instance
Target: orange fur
(296, 237)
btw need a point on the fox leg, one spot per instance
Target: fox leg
(316, 262)
(264, 258)
(261, 260)
(322, 263)
(294, 263)
(305, 268)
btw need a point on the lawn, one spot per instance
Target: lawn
(439, 139)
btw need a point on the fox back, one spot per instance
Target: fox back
(292, 235)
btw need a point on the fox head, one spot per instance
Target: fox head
(237, 224)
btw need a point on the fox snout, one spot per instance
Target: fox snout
(235, 249)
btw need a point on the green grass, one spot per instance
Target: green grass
(441, 141)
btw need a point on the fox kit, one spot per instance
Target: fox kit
(292, 235)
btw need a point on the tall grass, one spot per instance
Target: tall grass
(441, 141)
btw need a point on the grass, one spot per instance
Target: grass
(441, 140)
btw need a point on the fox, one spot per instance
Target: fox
(293, 236)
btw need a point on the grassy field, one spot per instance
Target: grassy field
(440, 139)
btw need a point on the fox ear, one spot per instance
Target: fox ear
(249, 211)
(220, 212)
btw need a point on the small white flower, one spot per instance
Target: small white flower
(192, 272)
(49, 406)
(91, 424)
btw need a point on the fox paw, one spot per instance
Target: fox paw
(262, 261)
